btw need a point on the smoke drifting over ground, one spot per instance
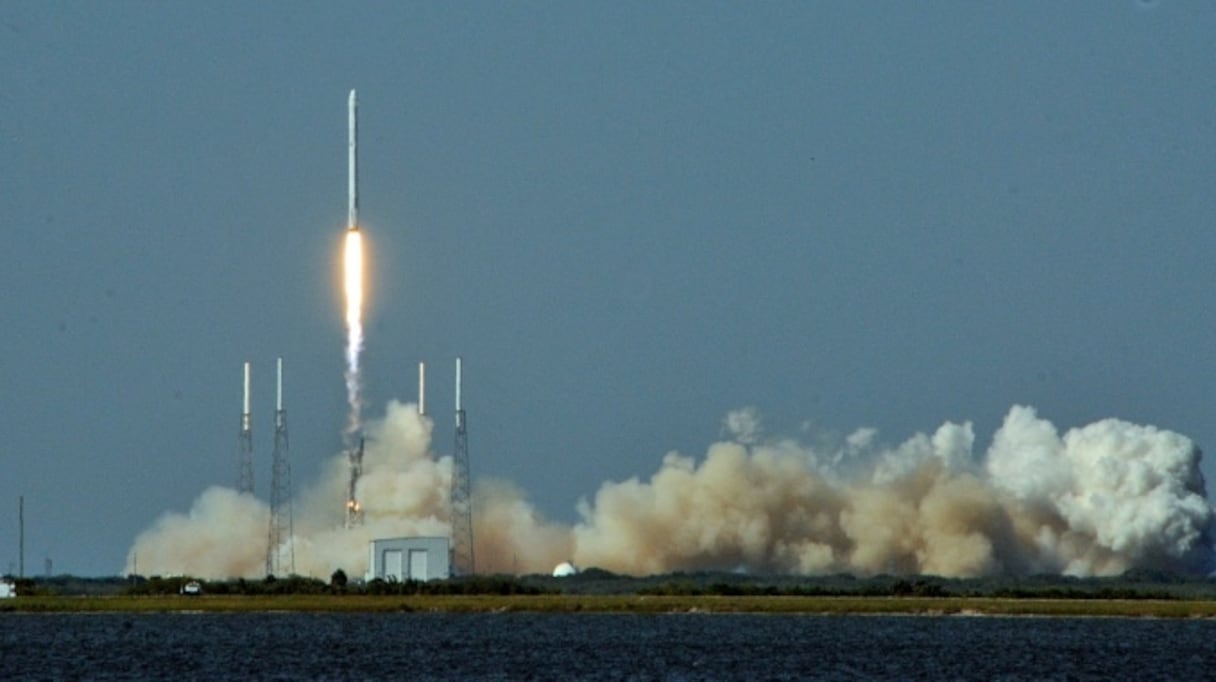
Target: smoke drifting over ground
(1097, 500)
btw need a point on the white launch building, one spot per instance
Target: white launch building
(401, 559)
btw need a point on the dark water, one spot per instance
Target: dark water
(549, 646)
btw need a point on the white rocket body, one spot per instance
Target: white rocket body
(352, 210)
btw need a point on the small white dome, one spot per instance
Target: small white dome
(564, 569)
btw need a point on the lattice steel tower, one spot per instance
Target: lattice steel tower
(244, 445)
(462, 508)
(281, 545)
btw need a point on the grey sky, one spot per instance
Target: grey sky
(629, 218)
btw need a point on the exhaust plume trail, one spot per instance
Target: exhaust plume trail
(353, 279)
(353, 287)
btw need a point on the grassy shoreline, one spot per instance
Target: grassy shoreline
(973, 606)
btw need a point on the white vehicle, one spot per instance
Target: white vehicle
(192, 588)
(7, 590)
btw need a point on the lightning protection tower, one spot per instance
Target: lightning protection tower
(421, 388)
(244, 455)
(462, 509)
(280, 548)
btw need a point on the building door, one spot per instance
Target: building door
(392, 563)
(418, 564)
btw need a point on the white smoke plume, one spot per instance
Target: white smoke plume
(1096, 501)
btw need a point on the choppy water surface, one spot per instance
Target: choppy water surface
(551, 646)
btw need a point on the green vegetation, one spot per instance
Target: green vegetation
(595, 590)
(1132, 585)
(552, 603)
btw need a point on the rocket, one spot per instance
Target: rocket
(352, 212)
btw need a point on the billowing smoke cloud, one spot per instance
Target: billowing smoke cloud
(1097, 501)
